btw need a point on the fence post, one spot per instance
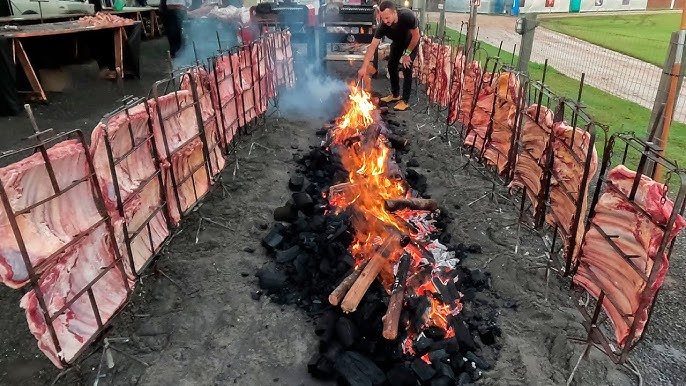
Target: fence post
(441, 20)
(422, 14)
(667, 94)
(471, 30)
(526, 29)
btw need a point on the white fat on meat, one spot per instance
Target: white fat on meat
(52, 225)
(75, 269)
(604, 269)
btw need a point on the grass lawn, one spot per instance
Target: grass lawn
(645, 37)
(619, 114)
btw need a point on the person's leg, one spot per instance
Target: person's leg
(407, 78)
(175, 36)
(393, 62)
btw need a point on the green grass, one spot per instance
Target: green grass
(645, 37)
(619, 114)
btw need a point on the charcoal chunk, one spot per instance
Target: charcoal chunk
(304, 202)
(444, 369)
(435, 333)
(249, 249)
(354, 369)
(287, 255)
(442, 380)
(320, 367)
(274, 238)
(412, 163)
(422, 343)
(438, 356)
(296, 182)
(346, 331)
(401, 376)
(464, 338)
(474, 248)
(423, 370)
(480, 363)
(271, 279)
(488, 333)
(464, 379)
(286, 213)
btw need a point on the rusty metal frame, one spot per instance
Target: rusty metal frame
(629, 142)
(172, 85)
(41, 146)
(206, 92)
(233, 126)
(537, 91)
(148, 140)
(594, 131)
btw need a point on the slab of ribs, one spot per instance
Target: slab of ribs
(62, 251)
(635, 232)
(571, 147)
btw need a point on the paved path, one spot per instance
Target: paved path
(610, 71)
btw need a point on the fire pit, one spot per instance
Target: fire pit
(357, 215)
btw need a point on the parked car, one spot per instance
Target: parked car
(51, 7)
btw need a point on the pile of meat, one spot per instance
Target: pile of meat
(621, 265)
(103, 19)
(69, 248)
(573, 152)
(153, 162)
(433, 67)
(530, 162)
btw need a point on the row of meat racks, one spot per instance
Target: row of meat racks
(519, 132)
(106, 210)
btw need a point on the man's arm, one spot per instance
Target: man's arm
(415, 39)
(369, 55)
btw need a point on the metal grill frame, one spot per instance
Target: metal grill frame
(41, 146)
(630, 142)
(149, 140)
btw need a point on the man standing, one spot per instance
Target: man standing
(402, 27)
(173, 12)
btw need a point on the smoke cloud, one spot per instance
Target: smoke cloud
(315, 93)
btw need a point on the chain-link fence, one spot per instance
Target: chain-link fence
(618, 74)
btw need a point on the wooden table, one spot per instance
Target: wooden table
(136, 13)
(60, 28)
(133, 13)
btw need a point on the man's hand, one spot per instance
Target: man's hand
(405, 60)
(362, 72)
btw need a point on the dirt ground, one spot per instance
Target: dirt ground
(194, 320)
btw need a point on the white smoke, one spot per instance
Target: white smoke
(315, 94)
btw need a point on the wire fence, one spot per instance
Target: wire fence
(618, 74)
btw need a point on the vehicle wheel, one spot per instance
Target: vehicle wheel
(30, 13)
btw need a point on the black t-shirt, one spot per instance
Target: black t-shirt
(400, 31)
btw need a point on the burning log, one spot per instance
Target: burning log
(371, 271)
(393, 205)
(395, 305)
(339, 293)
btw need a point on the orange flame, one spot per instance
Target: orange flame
(366, 159)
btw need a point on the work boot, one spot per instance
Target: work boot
(390, 98)
(401, 106)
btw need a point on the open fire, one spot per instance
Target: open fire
(366, 253)
(374, 179)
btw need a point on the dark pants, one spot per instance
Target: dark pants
(173, 22)
(394, 65)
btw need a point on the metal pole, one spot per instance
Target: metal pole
(422, 14)
(672, 75)
(441, 20)
(471, 29)
(527, 42)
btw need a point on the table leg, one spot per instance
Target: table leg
(119, 50)
(28, 70)
(153, 24)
